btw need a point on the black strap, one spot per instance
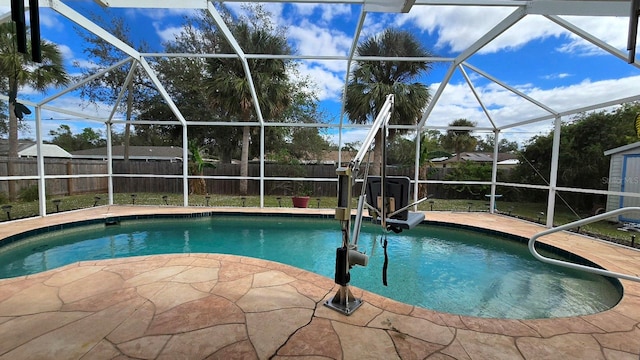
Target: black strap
(386, 262)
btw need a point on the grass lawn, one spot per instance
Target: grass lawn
(528, 211)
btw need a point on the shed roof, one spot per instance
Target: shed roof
(29, 149)
(48, 150)
(622, 148)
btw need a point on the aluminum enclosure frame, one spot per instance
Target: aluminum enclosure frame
(550, 9)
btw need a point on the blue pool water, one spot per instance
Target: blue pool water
(449, 270)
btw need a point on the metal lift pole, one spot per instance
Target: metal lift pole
(348, 255)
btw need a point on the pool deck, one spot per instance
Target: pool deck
(211, 306)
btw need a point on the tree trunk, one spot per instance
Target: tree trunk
(244, 160)
(127, 128)
(422, 188)
(376, 159)
(12, 155)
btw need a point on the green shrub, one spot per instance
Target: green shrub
(29, 193)
(4, 199)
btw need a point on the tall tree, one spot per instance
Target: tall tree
(87, 139)
(229, 85)
(16, 71)
(460, 138)
(372, 80)
(504, 145)
(581, 160)
(106, 89)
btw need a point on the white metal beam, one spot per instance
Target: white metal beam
(501, 27)
(165, 95)
(475, 94)
(84, 81)
(590, 38)
(512, 89)
(351, 55)
(123, 90)
(154, 4)
(82, 21)
(236, 47)
(575, 111)
(436, 96)
(578, 8)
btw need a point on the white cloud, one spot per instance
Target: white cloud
(311, 39)
(507, 108)
(329, 84)
(611, 30)
(328, 12)
(556, 76)
(167, 34)
(459, 27)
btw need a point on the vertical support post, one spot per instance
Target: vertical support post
(185, 166)
(494, 172)
(262, 158)
(553, 177)
(42, 197)
(109, 163)
(416, 172)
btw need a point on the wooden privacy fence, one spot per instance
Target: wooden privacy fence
(126, 179)
(232, 186)
(63, 167)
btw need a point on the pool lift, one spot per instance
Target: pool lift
(390, 209)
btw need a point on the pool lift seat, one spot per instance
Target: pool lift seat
(397, 193)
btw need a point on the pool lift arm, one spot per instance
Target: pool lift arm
(348, 255)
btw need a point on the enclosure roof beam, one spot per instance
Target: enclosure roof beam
(500, 28)
(511, 88)
(475, 94)
(592, 39)
(172, 105)
(436, 96)
(82, 21)
(301, 57)
(85, 81)
(127, 81)
(154, 4)
(574, 111)
(226, 32)
(578, 8)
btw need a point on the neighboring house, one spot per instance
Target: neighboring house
(505, 160)
(331, 157)
(624, 176)
(140, 153)
(29, 149)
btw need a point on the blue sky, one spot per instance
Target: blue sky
(535, 56)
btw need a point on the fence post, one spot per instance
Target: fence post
(69, 180)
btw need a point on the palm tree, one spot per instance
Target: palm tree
(197, 164)
(371, 81)
(17, 71)
(229, 86)
(460, 140)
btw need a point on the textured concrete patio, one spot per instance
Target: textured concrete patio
(211, 306)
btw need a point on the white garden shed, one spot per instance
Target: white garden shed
(624, 179)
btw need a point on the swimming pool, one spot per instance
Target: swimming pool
(444, 269)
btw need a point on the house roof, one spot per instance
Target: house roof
(623, 148)
(135, 152)
(476, 157)
(29, 149)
